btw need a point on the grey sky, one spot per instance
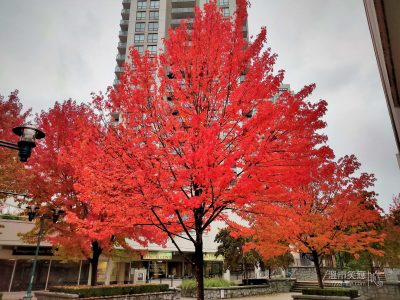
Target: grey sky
(53, 50)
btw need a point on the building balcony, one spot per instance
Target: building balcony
(183, 3)
(118, 71)
(123, 36)
(125, 14)
(182, 12)
(120, 59)
(121, 48)
(176, 22)
(124, 24)
(126, 4)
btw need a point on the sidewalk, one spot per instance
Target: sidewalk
(281, 296)
(15, 296)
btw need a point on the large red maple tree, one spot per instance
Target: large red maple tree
(200, 134)
(334, 211)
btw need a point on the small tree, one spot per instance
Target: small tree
(333, 212)
(391, 229)
(13, 175)
(199, 135)
(235, 256)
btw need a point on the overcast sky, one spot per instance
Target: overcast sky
(54, 50)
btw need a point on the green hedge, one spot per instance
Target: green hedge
(110, 290)
(11, 217)
(331, 292)
(190, 285)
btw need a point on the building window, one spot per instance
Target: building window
(153, 26)
(142, 4)
(139, 27)
(154, 4)
(140, 15)
(139, 38)
(140, 49)
(223, 2)
(152, 38)
(152, 49)
(153, 15)
(225, 11)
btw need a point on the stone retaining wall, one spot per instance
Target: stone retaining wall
(389, 291)
(273, 286)
(309, 273)
(170, 295)
(306, 273)
(392, 274)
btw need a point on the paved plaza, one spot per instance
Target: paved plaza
(281, 296)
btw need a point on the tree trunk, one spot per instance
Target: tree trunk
(198, 253)
(317, 268)
(94, 261)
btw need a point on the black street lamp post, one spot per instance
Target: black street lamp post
(28, 136)
(32, 213)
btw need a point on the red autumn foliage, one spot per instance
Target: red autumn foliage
(89, 227)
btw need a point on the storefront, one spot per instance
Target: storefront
(16, 265)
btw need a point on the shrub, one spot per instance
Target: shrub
(1, 296)
(331, 292)
(110, 290)
(11, 217)
(190, 285)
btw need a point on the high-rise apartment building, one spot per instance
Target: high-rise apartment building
(145, 23)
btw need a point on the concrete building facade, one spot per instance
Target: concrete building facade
(145, 23)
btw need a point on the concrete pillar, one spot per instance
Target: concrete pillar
(121, 272)
(89, 281)
(48, 275)
(12, 276)
(109, 269)
(227, 275)
(257, 271)
(79, 273)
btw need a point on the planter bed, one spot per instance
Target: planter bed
(273, 286)
(115, 292)
(170, 295)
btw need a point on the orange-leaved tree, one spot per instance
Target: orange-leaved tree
(334, 211)
(13, 175)
(199, 134)
(391, 229)
(74, 134)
